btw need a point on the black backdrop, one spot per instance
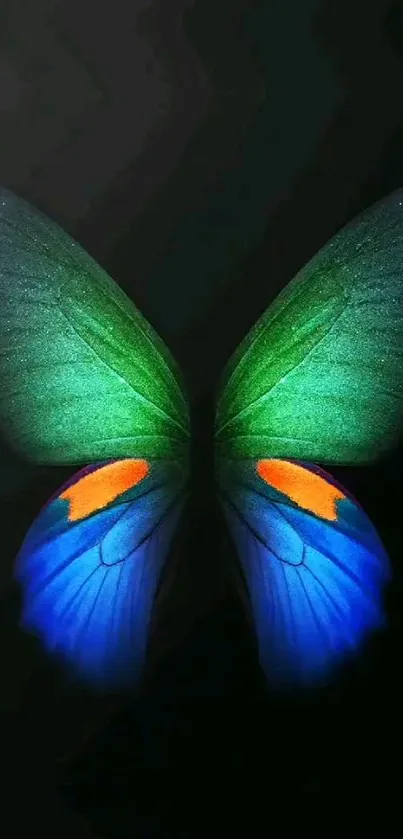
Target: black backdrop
(268, 176)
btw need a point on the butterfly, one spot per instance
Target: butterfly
(86, 381)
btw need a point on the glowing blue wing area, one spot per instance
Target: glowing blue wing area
(88, 585)
(316, 586)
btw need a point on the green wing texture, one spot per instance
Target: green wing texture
(83, 376)
(320, 376)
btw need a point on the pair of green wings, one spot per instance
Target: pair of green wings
(84, 378)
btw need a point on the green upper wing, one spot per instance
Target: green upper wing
(83, 376)
(320, 376)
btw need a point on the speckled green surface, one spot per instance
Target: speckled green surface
(83, 376)
(320, 376)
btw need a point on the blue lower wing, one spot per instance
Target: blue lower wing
(316, 586)
(88, 586)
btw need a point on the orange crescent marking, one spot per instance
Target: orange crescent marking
(307, 489)
(96, 490)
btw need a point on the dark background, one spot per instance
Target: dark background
(202, 152)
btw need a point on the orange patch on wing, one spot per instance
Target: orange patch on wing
(307, 489)
(98, 489)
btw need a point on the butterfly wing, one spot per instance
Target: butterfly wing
(83, 376)
(85, 380)
(319, 378)
(90, 564)
(314, 565)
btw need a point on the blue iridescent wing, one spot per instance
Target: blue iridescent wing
(90, 564)
(315, 567)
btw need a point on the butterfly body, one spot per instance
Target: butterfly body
(318, 381)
